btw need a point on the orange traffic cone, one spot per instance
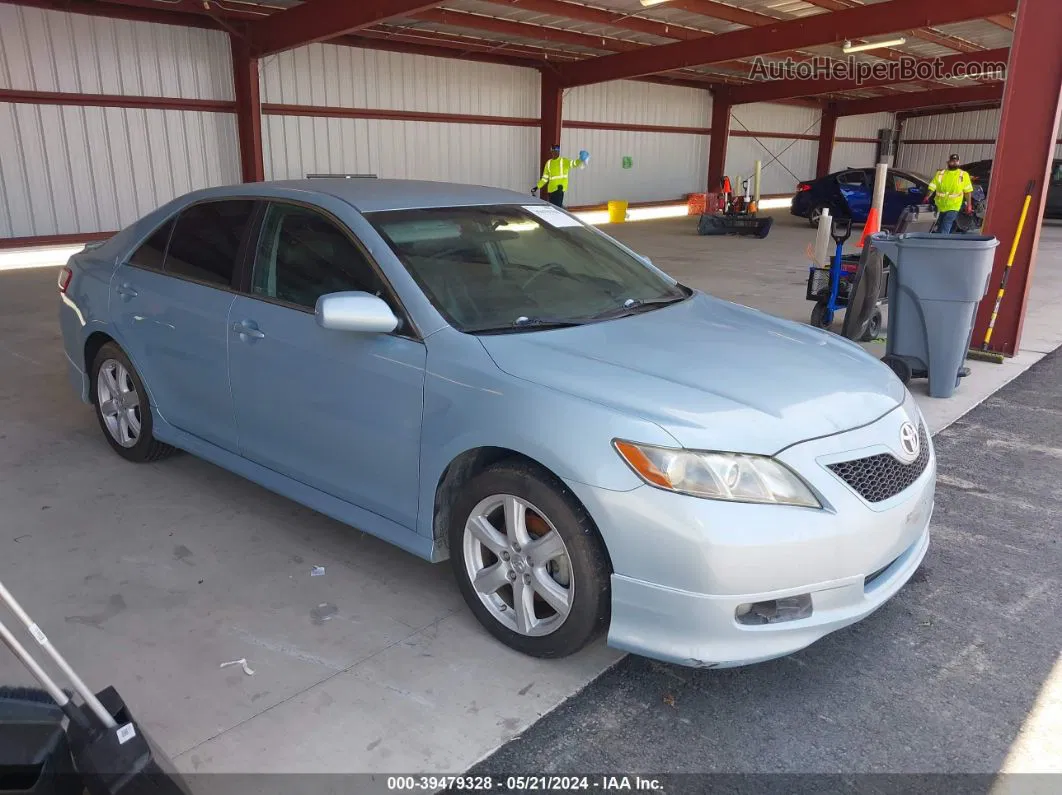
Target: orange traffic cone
(872, 225)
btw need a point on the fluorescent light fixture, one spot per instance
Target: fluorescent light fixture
(849, 48)
(649, 3)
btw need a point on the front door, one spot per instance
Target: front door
(170, 305)
(855, 188)
(901, 191)
(338, 411)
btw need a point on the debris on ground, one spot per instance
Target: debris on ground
(323, 612)
(241, 662)
(669, 699)
(317, 571)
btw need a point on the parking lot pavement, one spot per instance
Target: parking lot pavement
(953, 676)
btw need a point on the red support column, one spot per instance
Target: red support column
(1025, 145)
(827, 132)
(552, 113)
(248, 109)
(717, 141)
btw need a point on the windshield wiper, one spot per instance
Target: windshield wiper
(632, 306)
(527, 324)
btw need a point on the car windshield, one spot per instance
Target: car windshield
(495, 269)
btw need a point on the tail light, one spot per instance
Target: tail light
(803, 186)
(65, 275)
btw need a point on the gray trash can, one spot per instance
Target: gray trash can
(936, 284)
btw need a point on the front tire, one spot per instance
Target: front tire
(529, 561)
(123, 407)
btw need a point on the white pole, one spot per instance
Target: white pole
(756, 185)
(880, 175)
(822, 239)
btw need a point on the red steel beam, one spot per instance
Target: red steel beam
(925, 34)
(581, 13)
(727, 13)
(454, 45)
(1028, 129)
(718, 140)
(911, 100)
(527, 30)
(913, 114)
(20, 97)
(143, 11)
(507, 27)
(827, 133)
(320, 20)
(552, 114)
(769, 91)
(810, 31)
(248, 110)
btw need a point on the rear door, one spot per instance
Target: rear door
(170, 307)
(855, 188)
(339, 411)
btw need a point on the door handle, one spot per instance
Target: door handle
(249, 329)
(126, 291)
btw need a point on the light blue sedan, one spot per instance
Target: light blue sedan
(475, 375)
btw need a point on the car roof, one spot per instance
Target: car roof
(373, 195)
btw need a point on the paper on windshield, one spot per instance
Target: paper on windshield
(552, 216)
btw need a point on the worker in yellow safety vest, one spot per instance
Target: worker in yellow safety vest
(951, 190)
(555, 175)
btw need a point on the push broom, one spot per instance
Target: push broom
(983, 354)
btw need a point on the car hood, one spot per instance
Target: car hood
(715, 375)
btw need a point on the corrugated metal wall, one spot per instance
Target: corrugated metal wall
(326, 75)
(664, 165)
(856, 155)
(477, 154)
(926, 158)
(630, 102)
(350, 77)
(971, 133)
(54, 51)
(785, 160)
(70, 169)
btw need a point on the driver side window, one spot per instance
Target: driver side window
(302, 255)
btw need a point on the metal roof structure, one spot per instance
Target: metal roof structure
(704, 43)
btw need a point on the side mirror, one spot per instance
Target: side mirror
(355, 311)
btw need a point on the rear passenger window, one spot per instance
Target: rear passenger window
(153, 250)
(206, 241)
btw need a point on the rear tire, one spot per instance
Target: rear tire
(542, 581)
(814, 215)
(123, 408)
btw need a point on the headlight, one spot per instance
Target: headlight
(718, 476)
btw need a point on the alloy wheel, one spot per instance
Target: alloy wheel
(518, 565)
(118, 402)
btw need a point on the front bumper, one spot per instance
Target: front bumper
(683, 566)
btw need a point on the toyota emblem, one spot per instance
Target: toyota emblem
(909, 442)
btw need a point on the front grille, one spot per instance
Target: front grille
(878, 477)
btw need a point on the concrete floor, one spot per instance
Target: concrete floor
(149, 577)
